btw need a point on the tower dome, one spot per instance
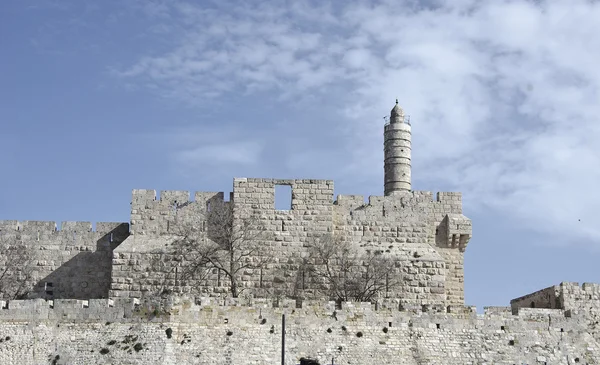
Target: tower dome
(397, 114)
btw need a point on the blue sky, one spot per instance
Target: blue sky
(98, 98)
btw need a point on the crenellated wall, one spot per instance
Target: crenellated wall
(73, 262)
(426, 238)
(233, 332)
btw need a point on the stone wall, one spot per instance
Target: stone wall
(568, 296)
(127, 332)
(73, 262)
(426, 238)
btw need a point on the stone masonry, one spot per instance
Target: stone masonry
(93, 292)
(214, 331)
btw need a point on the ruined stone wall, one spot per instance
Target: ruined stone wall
(73, 262)
(108, 332)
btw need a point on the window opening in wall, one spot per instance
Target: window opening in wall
(49, 289)
(208, 206)
(111, 237)
(532, 305)
(283, 197)
(437, 325)
(454, 240)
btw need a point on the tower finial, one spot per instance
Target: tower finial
(397, 114)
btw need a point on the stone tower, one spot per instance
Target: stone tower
(397, 151)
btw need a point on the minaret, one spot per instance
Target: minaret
(397, 151)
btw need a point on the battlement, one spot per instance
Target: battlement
(172, 197)
(420, 196)
(215, 310)
(66, 226)
(305, 192)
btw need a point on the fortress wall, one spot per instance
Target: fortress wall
(576, 299)
(412, 223)
(289, 231)
(545, 298)
(568, 296)
(356, 334)
(73, 262)
(429, 271)
(152, 215)
(397, 232)
(153, 220)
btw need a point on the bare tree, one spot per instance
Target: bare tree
(221, 244)
(16, 268)
(344, 275)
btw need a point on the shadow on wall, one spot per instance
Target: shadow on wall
(305, 361)
(87, 275)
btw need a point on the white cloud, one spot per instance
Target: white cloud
(503, 95)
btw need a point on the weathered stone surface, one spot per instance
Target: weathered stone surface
(95, 293)
(249, 332)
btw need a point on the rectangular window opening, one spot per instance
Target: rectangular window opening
(283, 197)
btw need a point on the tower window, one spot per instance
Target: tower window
(283, 197)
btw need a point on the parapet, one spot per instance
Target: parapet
(214, 310)
(406, 197)
(66, 226)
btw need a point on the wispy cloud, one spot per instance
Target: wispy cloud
(503, 95)
(204, 147)
(234, 152)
